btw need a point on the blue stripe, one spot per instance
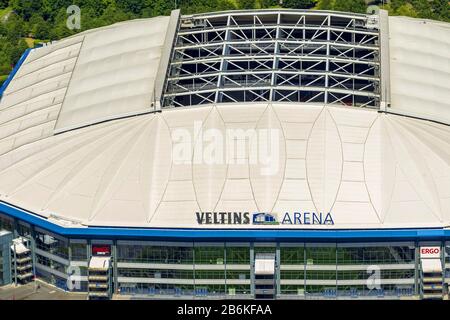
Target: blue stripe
(14, 71)
(268, 234)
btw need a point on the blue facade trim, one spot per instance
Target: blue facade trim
(264, 234)
(14, 71)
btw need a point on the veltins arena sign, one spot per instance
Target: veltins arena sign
(262, 218)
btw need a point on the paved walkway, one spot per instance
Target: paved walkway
(31, 292)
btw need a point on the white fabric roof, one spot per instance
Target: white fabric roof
(96, 75)
(420, 67)
(369, 170)
(114, 74)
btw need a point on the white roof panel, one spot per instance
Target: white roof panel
(419, 68)
(114, 74)
(121, 173)
(370, 170)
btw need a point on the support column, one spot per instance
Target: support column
(15, 263)
(278, 270)
(114, 263)
(416, 269)
(225, 266)
(385, 85)
(252, 269)
(33, 249)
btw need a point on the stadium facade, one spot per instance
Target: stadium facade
(94, 197)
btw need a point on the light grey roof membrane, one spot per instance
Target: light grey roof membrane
(370, 170)
(420, 68)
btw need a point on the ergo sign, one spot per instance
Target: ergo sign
(430, 252)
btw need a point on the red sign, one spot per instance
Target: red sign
(101, 250)
(430, 252)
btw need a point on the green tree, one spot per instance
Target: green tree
(15, 28)
(50, 8)
(358, 6)
(423, 8)
(38, 27)
(158, 7)
(198, 6)
(59, 26)
(17, 51)
(324, 4)
(26, 8)
(406, 10)
(269, 3)
(441, 9)
(298, 4)
(246, 4)
(112, 14)
(134, 6)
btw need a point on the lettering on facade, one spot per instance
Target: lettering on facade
(262, 218)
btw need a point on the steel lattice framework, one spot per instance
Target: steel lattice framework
(282, 55)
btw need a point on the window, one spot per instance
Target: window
(292, 274)
(79, 251)
(154, 254)
(209, 255)
(155, 273)
(210, 274)
(321, 255)
(52, 245)
(6, 223)
(238, 255)
(292, 255)
(388, 254)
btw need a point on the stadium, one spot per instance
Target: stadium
(110, 182)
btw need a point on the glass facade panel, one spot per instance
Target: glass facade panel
(155, 289)
(50, 263)
(209, 274)
(305, 269)
(388, 254)
(24, 230)
(292, 289)
(155, 273)
(209, 255)
(447, 263)
(292, 274)
(154, 254)
(292, 255)
(384, 274)
(320, 255)
(320, 274)
(6, 223)
(52, 245)
(238, 274)
(238, 255)
(238, 289)
(78, 251)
